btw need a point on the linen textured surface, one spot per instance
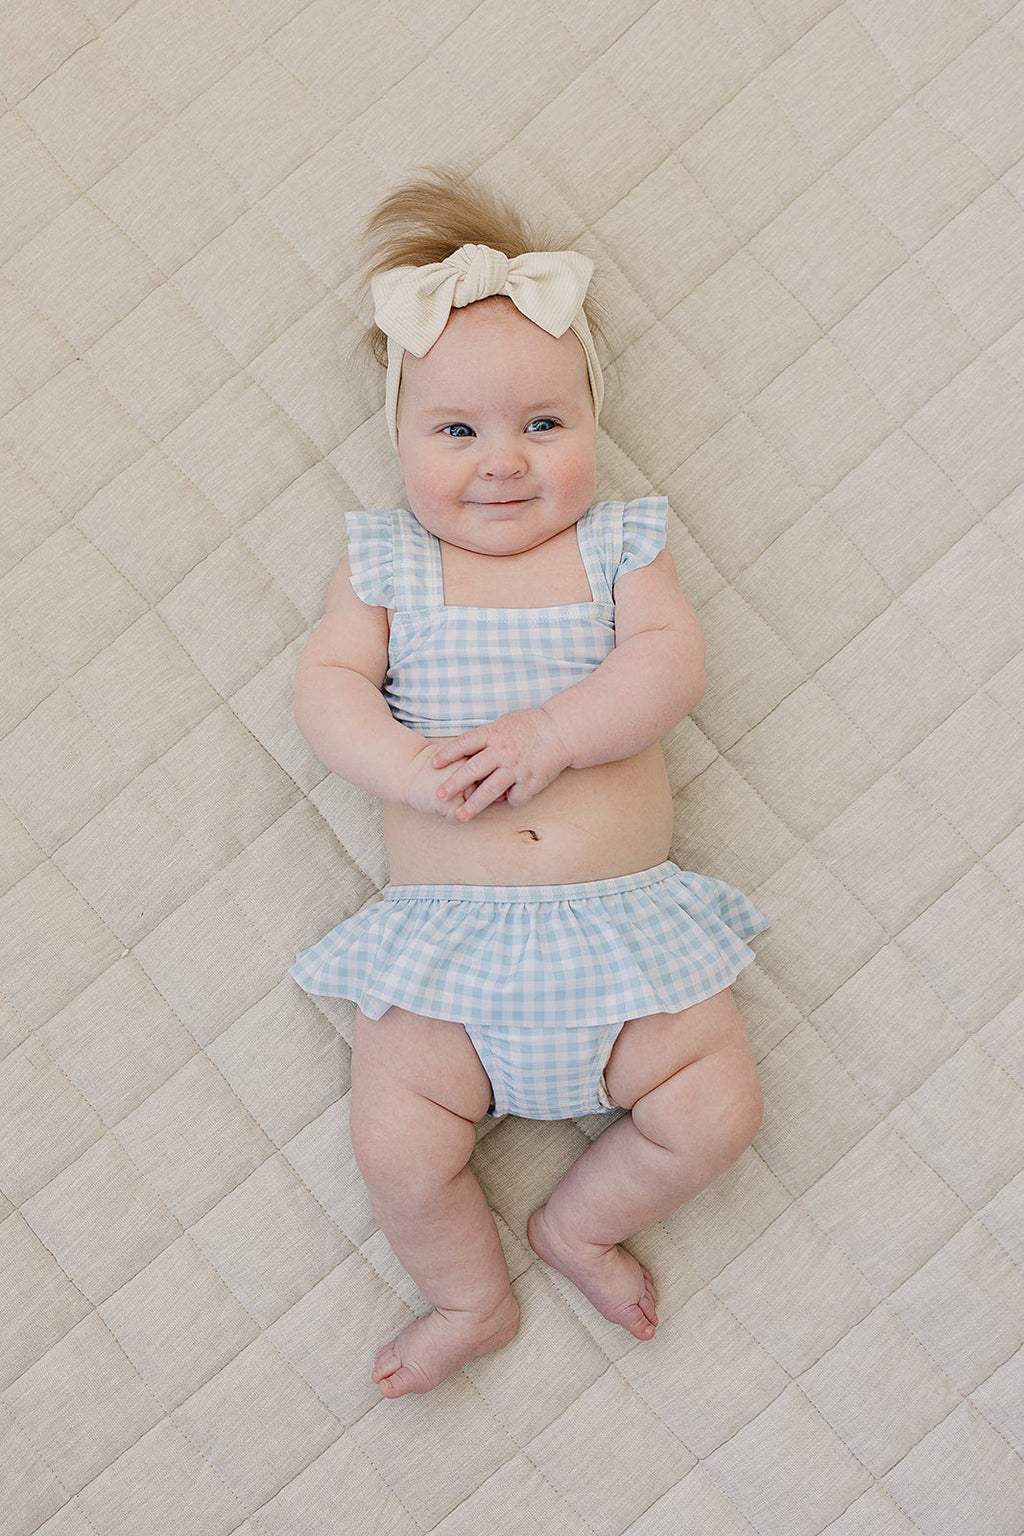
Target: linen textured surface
(808, 219)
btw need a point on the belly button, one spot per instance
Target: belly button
(529, 832)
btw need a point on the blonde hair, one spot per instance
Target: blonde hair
(427, 219)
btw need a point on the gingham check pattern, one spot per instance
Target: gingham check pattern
(454, 668)
(522, 957)
(546, 1074)
(808, 220)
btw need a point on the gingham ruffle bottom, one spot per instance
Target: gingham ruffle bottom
(550, 955)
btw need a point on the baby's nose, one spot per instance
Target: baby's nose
(501, 461)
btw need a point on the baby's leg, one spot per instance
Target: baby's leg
(417, 1089)
(690, 1082)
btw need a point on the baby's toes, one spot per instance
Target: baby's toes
(637, 1323)
(408, 1378)
(640, 1318)
(395, 1379)
(648, 1302)
(388, 1361)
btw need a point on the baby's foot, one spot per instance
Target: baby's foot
(434, 1347)
(610, 1278)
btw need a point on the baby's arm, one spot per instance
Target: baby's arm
(342, 713)
(651, 680)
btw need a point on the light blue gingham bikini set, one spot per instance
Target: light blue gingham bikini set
(542, 977)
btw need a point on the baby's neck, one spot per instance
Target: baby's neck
(550, 575)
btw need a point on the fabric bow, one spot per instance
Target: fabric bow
(412, 304)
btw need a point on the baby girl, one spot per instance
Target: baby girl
(499, 665)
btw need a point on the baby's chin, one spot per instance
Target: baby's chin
(499, 527)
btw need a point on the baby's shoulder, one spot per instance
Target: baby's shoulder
(377, 542)
(370, 527)
(624, 535)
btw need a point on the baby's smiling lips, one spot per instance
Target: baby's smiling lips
(516, 501)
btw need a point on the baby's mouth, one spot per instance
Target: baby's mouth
(512, 501)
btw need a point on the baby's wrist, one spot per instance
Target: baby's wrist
(408, 771)
(562, 739)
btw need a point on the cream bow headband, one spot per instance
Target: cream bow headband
(412, 304)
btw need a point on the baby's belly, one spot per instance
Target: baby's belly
(590, 824)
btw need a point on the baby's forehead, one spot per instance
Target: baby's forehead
(496, 304)
(488, 351)
(483, 314)
(489, 327)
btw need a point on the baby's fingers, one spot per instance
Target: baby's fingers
(466, 775)
(485, 794)
(461, 747)
(449, 811)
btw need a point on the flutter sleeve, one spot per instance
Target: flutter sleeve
(371, 557)
(644, 532)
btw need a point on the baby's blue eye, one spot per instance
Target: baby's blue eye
(458, 429)
(542, 424)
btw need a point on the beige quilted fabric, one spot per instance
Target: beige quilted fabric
(809, 217)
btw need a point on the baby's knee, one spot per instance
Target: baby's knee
(718, 1098)
(376, 1147)
(740, 1109)
(408, 1144)
(747, 1107)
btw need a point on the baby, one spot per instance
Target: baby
(499, 664)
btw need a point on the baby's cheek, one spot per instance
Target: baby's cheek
(574, 487)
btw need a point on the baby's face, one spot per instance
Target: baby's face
(496, 432)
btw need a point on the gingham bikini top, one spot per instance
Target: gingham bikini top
(452, 668)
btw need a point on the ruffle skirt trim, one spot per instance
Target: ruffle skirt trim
(571, 955)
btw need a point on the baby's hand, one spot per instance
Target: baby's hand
(423, 783)
(515, 757)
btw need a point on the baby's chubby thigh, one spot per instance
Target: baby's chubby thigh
(691, 1073)
(418, 1089)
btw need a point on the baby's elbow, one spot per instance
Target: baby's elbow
(688, 701)
(693, 684)
(688, 656)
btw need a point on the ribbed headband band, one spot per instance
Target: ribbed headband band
(412, 304)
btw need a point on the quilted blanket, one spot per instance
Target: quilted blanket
(808, 222)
